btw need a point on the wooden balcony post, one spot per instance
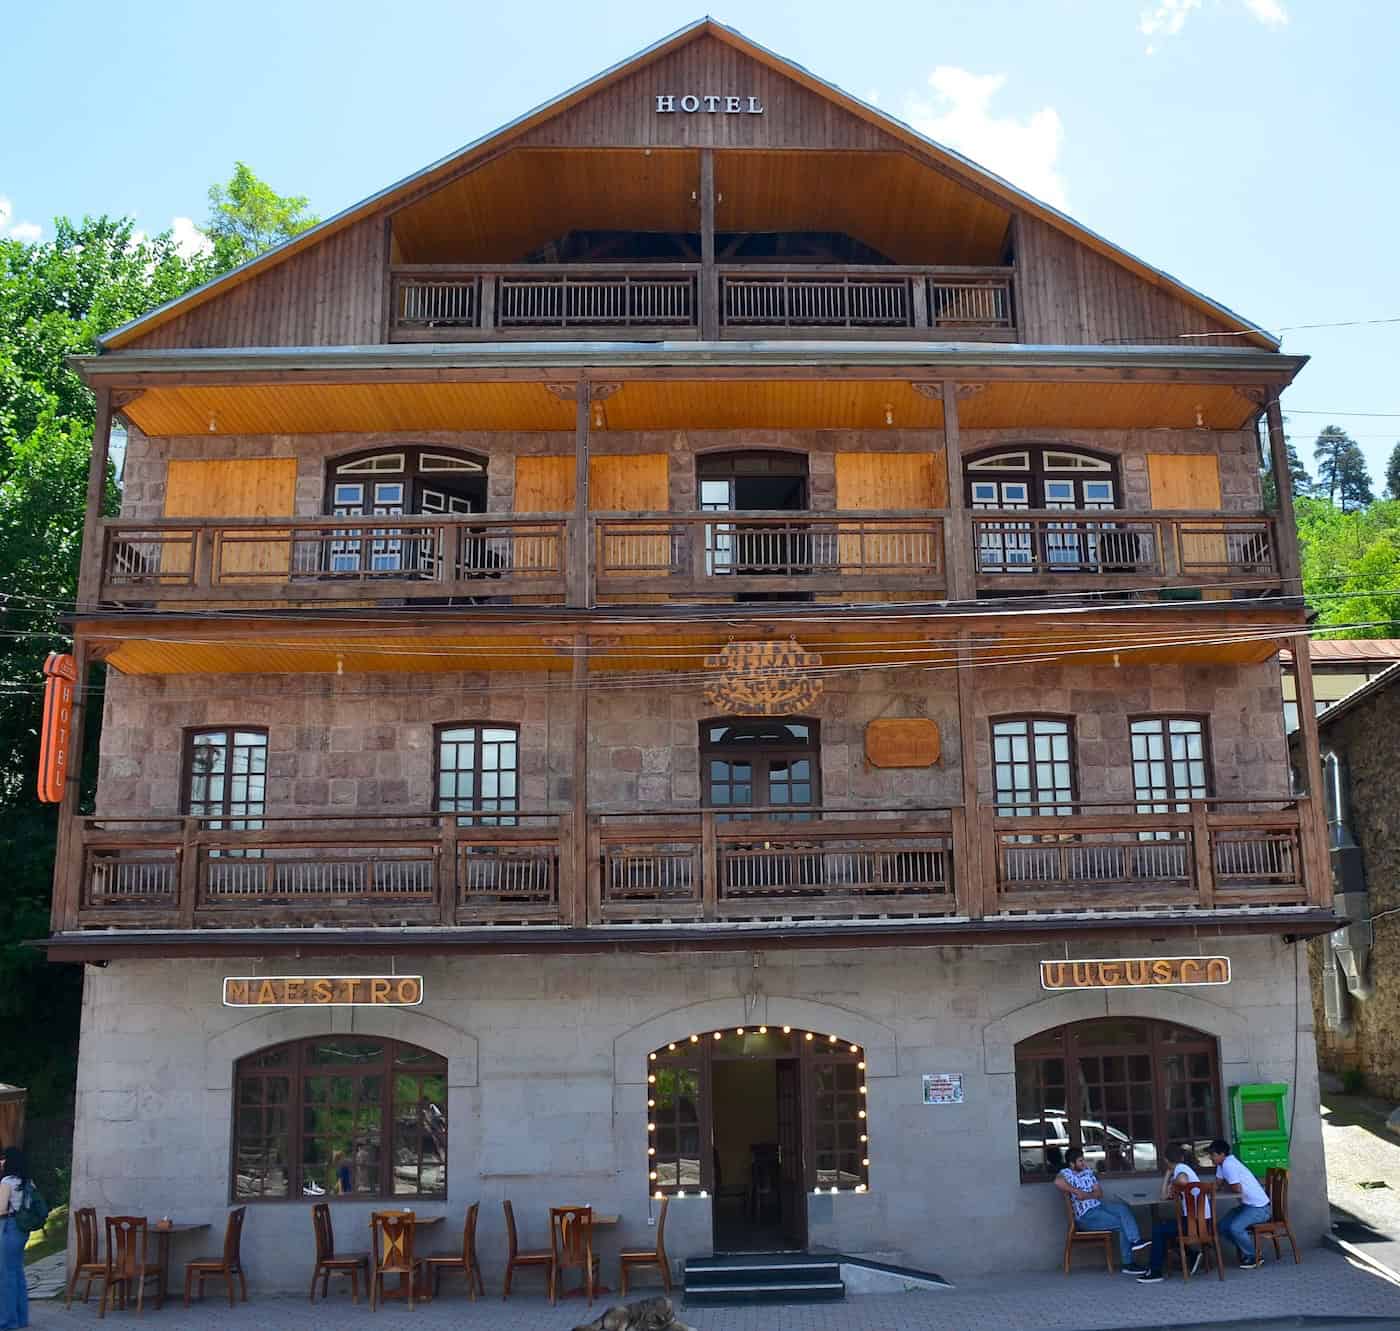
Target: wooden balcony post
(448, 888)
(486, 293)
(70, 860)
(1204, 854)
(1169, 548)
(90, 562)
(974, 895)
(576, 912)
(709, 867)
(709, 275)
(1312, 826)
(1287, 530)
(579, 574)
(189, 872)
(204, 540)
(958, 528)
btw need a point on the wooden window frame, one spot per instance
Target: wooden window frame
(765, 752)
(475, 814)
(1207, 755)
(1031, 717)
(187, 773)
(412, 474)
(1037, 472)
(297, 1069)
(1157, 1049)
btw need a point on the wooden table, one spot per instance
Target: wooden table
(400, 1291)
(163, 1235)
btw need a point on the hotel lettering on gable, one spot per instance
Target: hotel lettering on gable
(619, 641)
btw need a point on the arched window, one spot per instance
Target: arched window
(340, 1116)
(761, 762)
(1123, 1088)
(1041, 477)
(407, 480)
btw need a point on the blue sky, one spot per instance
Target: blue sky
(1246, 146)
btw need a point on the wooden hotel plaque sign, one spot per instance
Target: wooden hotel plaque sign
(323, 990)
(1134, 972)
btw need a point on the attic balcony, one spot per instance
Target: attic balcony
(678, 301)
(940, 868)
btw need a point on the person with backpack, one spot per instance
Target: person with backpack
(22, 1211)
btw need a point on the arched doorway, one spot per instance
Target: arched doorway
(757, 1118)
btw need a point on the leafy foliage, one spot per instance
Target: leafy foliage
(247, 217)
(1341, 469)
(1351, 565)
(1392, 474)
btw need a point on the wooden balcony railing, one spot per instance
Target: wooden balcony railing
(709, 553)
(1096, 548)
(266, 559)
(677, 865)
(425, 869)
(710, 865)
(1204, 853)
(466, 302)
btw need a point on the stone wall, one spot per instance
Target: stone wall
(365, 742)
(547, 1068)
(1367, 738)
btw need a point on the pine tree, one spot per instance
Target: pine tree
(1330, 453)
(1353, 479)
(1392, 474)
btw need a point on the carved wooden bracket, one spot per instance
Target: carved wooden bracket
(935, 390)
(596, 392)
(124, 397)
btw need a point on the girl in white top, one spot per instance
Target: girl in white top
(14, 1294)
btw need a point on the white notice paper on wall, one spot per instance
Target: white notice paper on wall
(943, 1088)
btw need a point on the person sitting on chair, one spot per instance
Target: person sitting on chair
(1254, 1207)
(1179, 1160)
(1092, 1212)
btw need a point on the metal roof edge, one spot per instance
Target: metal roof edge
(601, 355)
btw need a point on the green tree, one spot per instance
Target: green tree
(1392, 474)
(1299, 481)
(1332, 443)
(246, 217)
(1351, 565)
(1354, 481)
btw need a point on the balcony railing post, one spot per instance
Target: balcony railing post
(709, 867)
(487, 293)
(204, 540)
(966, 858)
(1168, 547)
(918, 296)
(189, 870)
(1204, 850)
(447, 887)
(697, 533)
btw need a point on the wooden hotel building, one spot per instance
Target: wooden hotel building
(627, 650)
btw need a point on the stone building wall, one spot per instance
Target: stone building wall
(547, 1088)
(366, 742)
(1367, 738)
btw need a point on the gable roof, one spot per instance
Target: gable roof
(493, 142)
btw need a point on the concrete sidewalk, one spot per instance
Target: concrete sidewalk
(1363, 1177)
(1327, 1287)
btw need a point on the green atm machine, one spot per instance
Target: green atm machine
(1259, 1125)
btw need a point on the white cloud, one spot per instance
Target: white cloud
(1166, 18)
(1023, 151)
(189, 240)
(25, 232)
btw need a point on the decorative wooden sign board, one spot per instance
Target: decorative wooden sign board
(902, 742)
(1134, 972)
(323, 990)
(763, 678)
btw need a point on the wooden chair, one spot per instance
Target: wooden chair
(224, 1267)
(656, 1258)
(1107, 1238)
(1276, 1185)
(87, 1263)
(464, 1261)
(393, 1254)
(571, 1242)
(329, 1262)
(516, 1258)
(1195, 1223)
(127, 1265)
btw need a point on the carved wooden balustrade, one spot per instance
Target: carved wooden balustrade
(776, 863)
(471, 302)
(230, 559)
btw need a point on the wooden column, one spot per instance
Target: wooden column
(580, 575)
(975, 896)
(709, 278)
(581, 898)
(90, 563)
(1312, 833)
(1287, 525)
(957, 536)
(69, 852)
